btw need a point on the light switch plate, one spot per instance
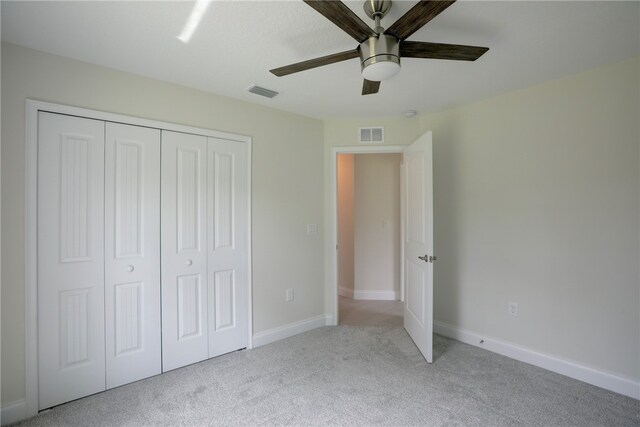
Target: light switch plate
(312, 228)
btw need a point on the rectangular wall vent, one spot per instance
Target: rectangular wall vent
(262, 91)
(374, 135)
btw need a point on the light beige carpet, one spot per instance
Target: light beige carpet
(352, 375)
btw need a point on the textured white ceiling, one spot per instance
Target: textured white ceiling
(239, 41)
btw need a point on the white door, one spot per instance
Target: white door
(227, 215)
(184, 249)
(71, 340)
(418, 244)
(132, 253)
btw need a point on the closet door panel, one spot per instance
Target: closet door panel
(71, 352)
(132, 253)
(227, 250)
(184, 249)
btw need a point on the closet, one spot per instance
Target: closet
(142, 252)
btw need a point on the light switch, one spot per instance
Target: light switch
(312, 228)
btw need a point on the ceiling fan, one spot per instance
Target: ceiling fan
(380, 50)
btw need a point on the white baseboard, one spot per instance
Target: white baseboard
(344, 292)
(587, 374)
(377, 295)
(295, 328)
(13, 412)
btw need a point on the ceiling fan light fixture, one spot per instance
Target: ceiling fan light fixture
(381, 70)
(379, 57)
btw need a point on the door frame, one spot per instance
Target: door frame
(31, 220)
(333, 188)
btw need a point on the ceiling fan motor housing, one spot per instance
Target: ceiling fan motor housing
(381, 49)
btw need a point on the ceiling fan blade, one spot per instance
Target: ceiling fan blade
(458, 52)
(338, 13)
(417, 17)
(369, 87)
(313, 63)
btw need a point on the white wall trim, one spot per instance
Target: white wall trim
(31, 209)
(376, 295)
(333, 189)
(31, 259)
(130, 120)
(587, 374)
(291, 329)
(13, 412)
(249, 248)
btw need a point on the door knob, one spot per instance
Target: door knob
(130, 268)
(424, 258)
(189, 262)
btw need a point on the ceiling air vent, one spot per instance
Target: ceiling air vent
(373, 135)
(262, 91)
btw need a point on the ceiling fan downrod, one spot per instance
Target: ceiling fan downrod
(376, 10)
(380, 54)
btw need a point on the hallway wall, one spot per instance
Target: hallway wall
(377, 226)
(346, 217)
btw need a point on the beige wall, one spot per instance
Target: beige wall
(346, 216)
(287, 183)
(537, 201)
(377, 223)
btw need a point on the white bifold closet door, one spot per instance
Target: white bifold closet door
(227, 216)
(132, 253)
(98, 256)
(184, 249)
(204, 248)
(71, 348)
(142, 253)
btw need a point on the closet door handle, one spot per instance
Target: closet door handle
(189, 262)
(130, 268)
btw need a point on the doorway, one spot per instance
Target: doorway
(416, 229)
(369, 229)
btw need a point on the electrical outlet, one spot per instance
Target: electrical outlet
(513, 308)
(289, 295)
